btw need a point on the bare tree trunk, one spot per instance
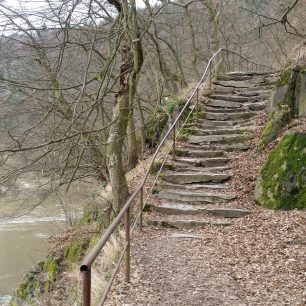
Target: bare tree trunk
(142, 122)
(116, 139)
(132, 142)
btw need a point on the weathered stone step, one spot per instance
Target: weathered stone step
(203, 162)
(245, 92)
(220, 131)
(213, 109)
(225, 148)
(202, 197)
(230, 98)
(222, 139)
(252, 73)
(200, 177)
(189, 209)
(235, 77)
(228, 116)
(181, 167)
(258, 84)
(187, 224)
(162, 185)
(223, 104)
(198, 152)
(257, 106)
(221, 123)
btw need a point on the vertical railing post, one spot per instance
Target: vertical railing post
(197, 106)
(86, 287)
(128, 248)
(210, 75)
(173, 145)
(233, 62)
(141, 208)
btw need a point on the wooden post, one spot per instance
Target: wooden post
(128, 248)
(141, 208)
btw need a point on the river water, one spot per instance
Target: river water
(24, 240)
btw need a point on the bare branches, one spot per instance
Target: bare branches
(289, 28)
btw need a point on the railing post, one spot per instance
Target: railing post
(210, 76)
(173, 145)
(197, 106)
(128, 248)
(141, 208)
(86, 286)
(233, 62)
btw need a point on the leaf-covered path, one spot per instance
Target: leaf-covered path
(207, 242)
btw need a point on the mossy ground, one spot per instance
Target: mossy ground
(283, 176)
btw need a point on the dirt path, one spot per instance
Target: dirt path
(258, 260)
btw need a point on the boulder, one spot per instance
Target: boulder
(282, 179)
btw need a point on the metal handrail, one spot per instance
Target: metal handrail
(85, 267)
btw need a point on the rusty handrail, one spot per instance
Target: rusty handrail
(86, 264)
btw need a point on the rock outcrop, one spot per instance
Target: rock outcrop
(282, 181)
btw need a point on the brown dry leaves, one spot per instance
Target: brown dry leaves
(259, 260)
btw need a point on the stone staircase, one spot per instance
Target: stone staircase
(193, 191)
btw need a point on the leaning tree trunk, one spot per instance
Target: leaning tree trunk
(132, 141)
(118, 132)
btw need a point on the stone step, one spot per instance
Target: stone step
(225, 148)
(183, 168)
(220, 131)
(203, 162)
(221, 139)
(245, 92)
(198, 152)
(223, 104)
(252, 73)
(258, 84)
(195, 197)
(186, 224)
(258, 106)
(205, 123)
(162, 185)
(228, 116)
(189, 209)
(213, 109)
(235, 77)
(230, 98)
(200, 177)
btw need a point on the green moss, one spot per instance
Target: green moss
(186, 131)
(283, 176)
(177, 152)
(74, 251)
(208, 93)
(51, 267)
(277, 119)
(157, 165)
(284, 78)
(155, 127)
(173, 103)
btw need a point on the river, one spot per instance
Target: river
(24, 240)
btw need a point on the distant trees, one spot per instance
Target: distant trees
(80, 79)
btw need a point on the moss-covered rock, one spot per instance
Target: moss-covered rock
(155, 127)
(277, 119)
(282, 180)
(37, 281)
